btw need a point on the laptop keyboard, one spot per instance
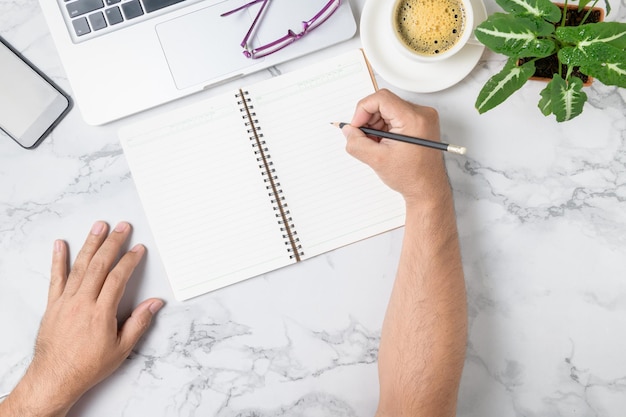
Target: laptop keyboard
(93, 17)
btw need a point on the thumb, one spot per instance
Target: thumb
(138, 322)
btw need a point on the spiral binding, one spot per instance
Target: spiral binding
(270, 178)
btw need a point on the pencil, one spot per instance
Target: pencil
(409, 139)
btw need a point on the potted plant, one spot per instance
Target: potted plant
(533, 30)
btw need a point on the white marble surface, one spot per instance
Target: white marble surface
(542, 218)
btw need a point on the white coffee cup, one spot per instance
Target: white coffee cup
(431, 30)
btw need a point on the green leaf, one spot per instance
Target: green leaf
(602, 61)
(567, 99)
(612, 33)
(516, 36)
(583, 3)
(542, 9)
(545, 103)
(500, 87)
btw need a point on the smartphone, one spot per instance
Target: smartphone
(31, 105)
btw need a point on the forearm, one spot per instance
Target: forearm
(30, 400)
(424, 334)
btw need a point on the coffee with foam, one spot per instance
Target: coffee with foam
(429, 27)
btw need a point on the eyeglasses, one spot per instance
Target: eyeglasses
(290, 37)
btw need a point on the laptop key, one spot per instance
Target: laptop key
(153, 5)
(97, 21)
(81, 27)
(132, 9)
(81, 7)
(114, 15)
(111, 2)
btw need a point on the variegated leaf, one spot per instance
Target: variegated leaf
(543, 9)
(602, 61)
(516, 36)
(503, 84)
(568, 99)
(612, 33)
(545, 103)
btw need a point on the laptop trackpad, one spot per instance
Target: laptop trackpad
(203, 47)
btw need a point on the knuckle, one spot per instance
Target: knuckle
(350, 146)
(143, 323)
(117, 276)
(77, 272)
(431, 114)
(385, 92)
(98, 265)
(140, 326)
(376, 160)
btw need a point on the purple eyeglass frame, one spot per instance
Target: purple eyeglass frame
(289, 38)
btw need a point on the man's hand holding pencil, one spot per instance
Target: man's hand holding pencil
(417, 172)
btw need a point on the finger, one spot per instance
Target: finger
(367, 113)
(58, 274)
(138, 322)
(102, 261)
(95, 238)
(360, 146)
(377, 109)
(115, 283)
(391, 113)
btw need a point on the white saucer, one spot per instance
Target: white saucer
(403, 72)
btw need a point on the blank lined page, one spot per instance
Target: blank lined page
(333, 199)
(204, 196)
(204, 193)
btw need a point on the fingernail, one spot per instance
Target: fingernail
(97, 228)
(58, 246)
(155, 306)
(122, 226)
(137, 248)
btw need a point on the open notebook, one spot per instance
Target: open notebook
(250, 181)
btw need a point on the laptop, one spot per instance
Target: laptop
(125, 56)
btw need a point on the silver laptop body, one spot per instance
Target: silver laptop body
(120, 67)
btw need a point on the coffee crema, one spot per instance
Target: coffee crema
(429, 27)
